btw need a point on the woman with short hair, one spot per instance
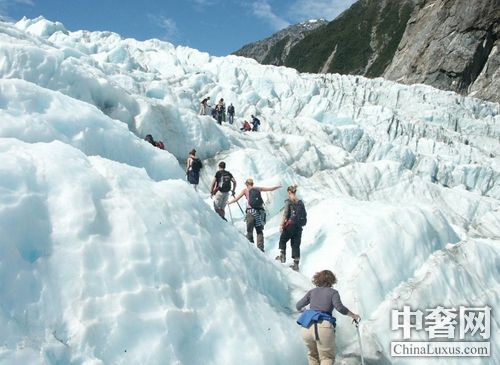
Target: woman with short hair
(318, 324)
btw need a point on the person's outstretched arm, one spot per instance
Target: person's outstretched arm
(237, 197)
(273, 188)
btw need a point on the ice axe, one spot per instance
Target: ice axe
(356, 322)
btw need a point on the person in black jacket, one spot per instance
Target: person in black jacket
(222, 183)
(230, 113)
(192, 172)
(294, 218)
(255, 123)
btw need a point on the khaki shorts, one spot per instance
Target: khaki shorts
(220, 200)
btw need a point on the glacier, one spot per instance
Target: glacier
(108, 256)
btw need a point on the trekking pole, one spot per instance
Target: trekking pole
(230, 214)
(359, 340)
(242, 212)
(239, 206)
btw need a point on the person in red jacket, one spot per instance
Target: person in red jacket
(246, 127)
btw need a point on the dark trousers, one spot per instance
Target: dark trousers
(293, 233)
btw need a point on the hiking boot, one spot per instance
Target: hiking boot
(295, 266)
(281, 257)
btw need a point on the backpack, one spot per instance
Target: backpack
(298, 214)
(160, 145)
(196, 164)
(230, 109)
(255, 199)
(225, 182)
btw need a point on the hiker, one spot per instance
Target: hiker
(158, 144)
(220, 188)
(294, 218)
(318, 324)
(214, 112)
(193, 167)
(204, 105)
(149, 138)
(246, 127)
(255, 213)
(230, 113)
(255, 123)
(221, 111)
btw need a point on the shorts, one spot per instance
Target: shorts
(220, 199)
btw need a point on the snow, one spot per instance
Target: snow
(108, 256)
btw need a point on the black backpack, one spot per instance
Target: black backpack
(225, 182)
(298, 214)
(255, 199)
(196, 164)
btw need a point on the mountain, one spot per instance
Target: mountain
(362, 40)
(451, 45)
(448, 44)
(274, 49)
(108, 255)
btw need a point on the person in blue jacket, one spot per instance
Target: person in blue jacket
(256, 123)
(318, 324)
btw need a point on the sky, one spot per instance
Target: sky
(218, 27)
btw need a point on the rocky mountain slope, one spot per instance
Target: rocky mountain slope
(451, 45)
(362, 40)
(274, 49)
(448, 44)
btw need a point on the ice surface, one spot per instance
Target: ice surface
(108, 256)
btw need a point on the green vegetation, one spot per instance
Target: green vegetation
(351, 35)
(274, 55)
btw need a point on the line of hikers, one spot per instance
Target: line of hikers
(318, 325)
(294, 217)
(218, 112)
(317, 322)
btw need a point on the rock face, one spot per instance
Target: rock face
(451, 45)
(360, 41)
(274, 49)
